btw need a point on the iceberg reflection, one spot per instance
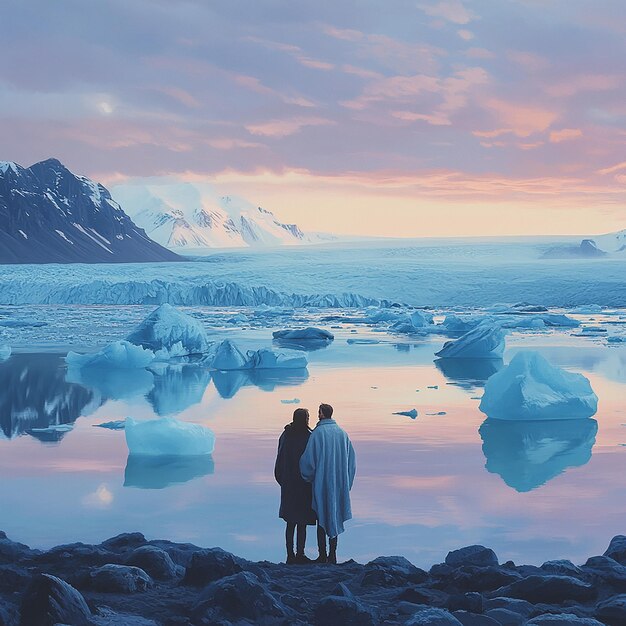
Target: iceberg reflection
(177, 387)
(469, 373)
(113, 383)
(528, 454)
(159, 472)
(34, 396)
(229, 383)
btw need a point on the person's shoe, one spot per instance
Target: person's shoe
(291, 558)
(332, 558)
(303, 559)
(322, 558)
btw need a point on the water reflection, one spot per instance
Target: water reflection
(177, 387)
(469, 373)
(229, 383)
(34, 394)
(527, 454)
(116, 384)
(158, 472)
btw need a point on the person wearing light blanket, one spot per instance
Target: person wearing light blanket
(329, 463)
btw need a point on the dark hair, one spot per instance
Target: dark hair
(300, 418)
(327, 410)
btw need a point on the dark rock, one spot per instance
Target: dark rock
(299, 604)
(477, 579)
(77, 554)
(125, 541)
(474, 619)
(562, 567)
(606, 571)
(11, 551)
(48, 600)
(549, 589)
(8, 614)
(612, 611)
(428, 616)
(13, 578)
(237, 597)
(471, 602)
(342, 611)
(342, 590)
(113, 578)
(399, 567)
(511, 604)
(209, 565)
(108, 617)
(506, 617)
(617, 549)
(155, 562)
(472, 555)
(180, 553)
(562, 619)
(425, 596)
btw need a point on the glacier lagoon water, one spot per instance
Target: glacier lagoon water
(424, 486)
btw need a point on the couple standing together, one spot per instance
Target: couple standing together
(315, 470)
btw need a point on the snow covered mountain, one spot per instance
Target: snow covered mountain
(49, 215)
(190, 217)
(613, 242)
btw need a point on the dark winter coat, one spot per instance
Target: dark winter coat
(295, 493)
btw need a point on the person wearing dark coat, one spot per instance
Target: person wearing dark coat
(295, 493)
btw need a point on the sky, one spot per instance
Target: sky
(398, 118)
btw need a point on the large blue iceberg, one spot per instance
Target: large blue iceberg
(530, 388)
(483, 342)
(168, 436)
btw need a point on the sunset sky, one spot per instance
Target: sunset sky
(398, 118)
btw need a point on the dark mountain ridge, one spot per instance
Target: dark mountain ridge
(50, 215)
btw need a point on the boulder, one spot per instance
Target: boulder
(125, 541)
(108, 617)
(11, 551)
(120, 579)
(511, 604)
(612, 611)
(506, 617)
(471, 578)
(549, 589)
(617, 549)
(562, 619)
(606, 571)
(472, 555)
(235, 598)
(343, 611)
(474, 619)
(155, 562)
(428, 616)
(471, 602)
(425, 596)
(391, 571)
(562, 567)
(209, 565)
(48, 600)
(13, 578)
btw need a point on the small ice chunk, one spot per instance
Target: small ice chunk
(303, 335)
(239, 318)
(531, 321)
(483, 342)
(458, 324)
(530, 388)
(365, 342)
(437, 413)
(412, 413)
(432, 387)
(115, 425)
(166, 327)
(226, 357)
(268, 359)
(120, 355)
(294, 401)
(611, 339)
(5, 352)
(168, 436)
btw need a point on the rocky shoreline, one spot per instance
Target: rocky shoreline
(129, 581)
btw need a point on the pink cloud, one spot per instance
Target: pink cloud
(479, 53)
(285, 127)
(436, 119)
(522, 120)
(450, 10)
(530, 61)
(565, 134)
(582, 83)
(614, 168)
(465, 34)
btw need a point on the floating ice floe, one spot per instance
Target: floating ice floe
(269, 359)
(530, 388)
(417, 322)
(168, 436)
(412, 413)
(462, 324)
(616, 339)
(114, 425)
(483, 342)
(118, 355)
(364, 342)
(304, 338)
(169, 333)
(226, 356)
(294, 401)
(5, 352)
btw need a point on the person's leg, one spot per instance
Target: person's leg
(332, 553)
(291, 528)
(301, 558)
(321, 544)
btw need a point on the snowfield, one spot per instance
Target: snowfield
(418, 273)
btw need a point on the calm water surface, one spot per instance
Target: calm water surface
(448, 478)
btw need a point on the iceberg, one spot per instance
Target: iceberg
(168, 436)
(170, 332)
(483, 342)
(461, 324)
(5, 352)
(226, 357)
(412, 413)
(304, 338)
(120, 355)
(268, 359)
(530, 388)
(527, 454)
